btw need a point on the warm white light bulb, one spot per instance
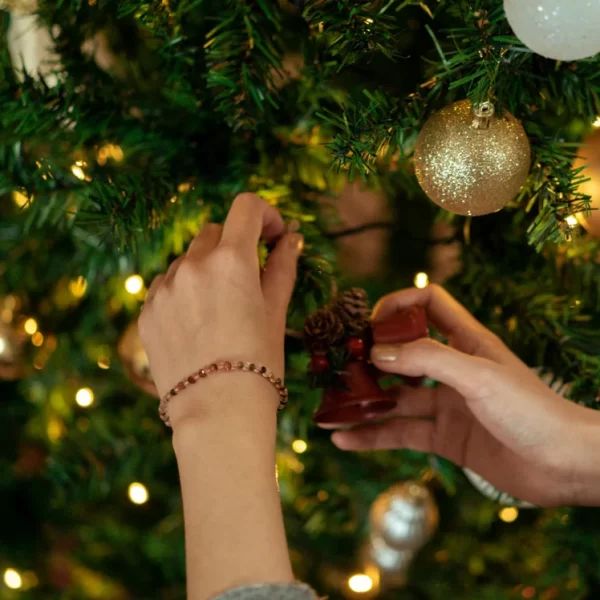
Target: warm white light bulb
(30, 326)
(509, 514)
(421, 280)
(138, 493)
(134, 284)
(596, 123)
(77, 169)
(13, 579)
(299, 446)
(21, 200)
(78, 286)
(571, 221)
(84, 397)
(361, 583)
(2, 345)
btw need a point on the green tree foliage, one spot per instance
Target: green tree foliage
(123, 161)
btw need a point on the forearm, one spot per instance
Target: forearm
(233, 520)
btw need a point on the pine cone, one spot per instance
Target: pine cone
(322, 330)
(353, 308)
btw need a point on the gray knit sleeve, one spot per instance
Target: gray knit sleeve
(270, 591)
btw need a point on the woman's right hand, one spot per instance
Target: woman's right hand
(490, 413)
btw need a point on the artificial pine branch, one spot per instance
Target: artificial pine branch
(244, 58)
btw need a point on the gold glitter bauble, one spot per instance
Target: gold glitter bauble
(589, 157)
(12, 362)
(471, 165)
(19, 7)
(135, 360)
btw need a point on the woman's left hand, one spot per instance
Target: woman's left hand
(213, 304)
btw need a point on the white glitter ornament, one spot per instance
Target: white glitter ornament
(472, 161)
(557, 29)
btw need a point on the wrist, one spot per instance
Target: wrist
(235, 404)
(227, 389)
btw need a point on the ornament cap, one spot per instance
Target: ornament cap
(482, 114)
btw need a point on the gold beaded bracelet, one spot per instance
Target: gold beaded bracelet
(226, 366)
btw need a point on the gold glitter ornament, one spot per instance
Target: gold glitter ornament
(135, 360)
(12, 362)
(472, 162)
(589, 157)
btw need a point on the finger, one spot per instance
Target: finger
(410, 434)
(280, 273)
(461, 441)
(423, 401)
(153, 288)
(249, 219)
(447, 436)
(173, 268)
(471, 376)
(450, 317)
(205, 242)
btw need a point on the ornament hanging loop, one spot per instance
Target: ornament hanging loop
(482, 115)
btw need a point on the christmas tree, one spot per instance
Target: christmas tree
(128, 124)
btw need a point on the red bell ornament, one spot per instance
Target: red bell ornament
(403, 326)
(356, 398)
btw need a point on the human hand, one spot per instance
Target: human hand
(490, 413)
(213, 304)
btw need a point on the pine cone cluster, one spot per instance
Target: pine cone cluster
(354, 310)
(322, 330)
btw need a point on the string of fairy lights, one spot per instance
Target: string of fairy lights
(362, 584)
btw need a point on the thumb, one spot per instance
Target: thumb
(279, 276)
(471, 376)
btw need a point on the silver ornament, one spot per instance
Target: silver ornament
(388, 560)
(405, 516)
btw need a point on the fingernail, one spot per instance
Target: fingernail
(297, 243)
(338, 439)
(384, 353)
(293, 226)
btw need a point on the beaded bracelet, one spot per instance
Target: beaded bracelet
(276, 382)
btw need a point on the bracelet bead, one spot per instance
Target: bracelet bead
(224, 366)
